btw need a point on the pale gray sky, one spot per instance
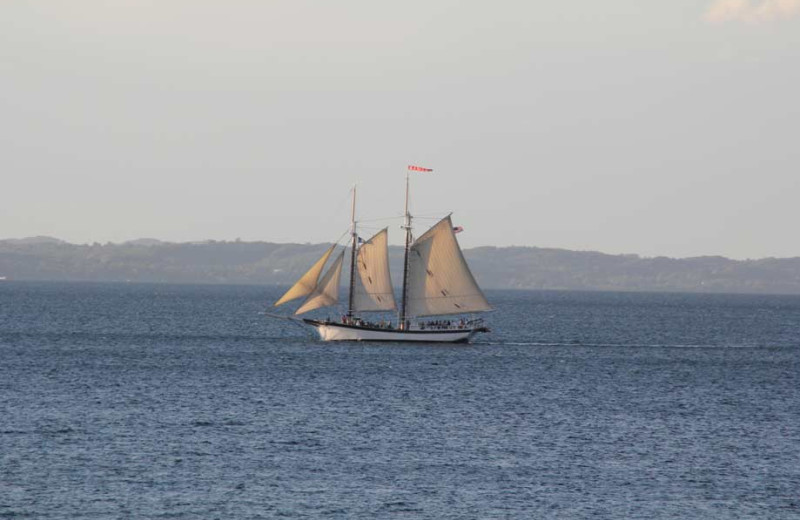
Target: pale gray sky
(659, 128)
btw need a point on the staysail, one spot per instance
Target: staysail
(373, 285)
(439, 280)
(307, 282)
(326, 292)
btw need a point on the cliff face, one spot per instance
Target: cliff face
(500, 268)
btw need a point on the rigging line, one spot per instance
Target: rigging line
(371, 228)
(338, 206)
(339, 240)
(432, 215)
(380, 219)
(345, 199)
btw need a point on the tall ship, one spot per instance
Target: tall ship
(438, 299)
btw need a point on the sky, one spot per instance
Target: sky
(657, 128)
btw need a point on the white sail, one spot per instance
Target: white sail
(307, 282)
(326, 292)
(439, 280)
(373, 285)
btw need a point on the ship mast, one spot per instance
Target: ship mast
(352, 255)
(402, 321)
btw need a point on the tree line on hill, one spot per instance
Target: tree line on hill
(148, 260)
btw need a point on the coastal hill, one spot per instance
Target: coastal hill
(150, 260)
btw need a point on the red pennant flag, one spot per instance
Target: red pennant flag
(419, 169)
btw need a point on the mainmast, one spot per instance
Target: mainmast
(352, 255)
(402, 322)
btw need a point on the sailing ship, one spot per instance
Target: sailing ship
(437, 283)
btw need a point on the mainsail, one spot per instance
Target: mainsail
(373, 285)
(306, 284)
(326, 292)
(439, 280)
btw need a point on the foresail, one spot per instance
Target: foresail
(373, 286)
(307, 282)
(439, 280)
(326, 292)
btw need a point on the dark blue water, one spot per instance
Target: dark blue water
(147, 401)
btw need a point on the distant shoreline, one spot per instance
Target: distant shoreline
(271, 264)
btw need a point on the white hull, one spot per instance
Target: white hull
(340, 332)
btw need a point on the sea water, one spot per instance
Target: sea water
(166, 401)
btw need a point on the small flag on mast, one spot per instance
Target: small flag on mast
(419, 169)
